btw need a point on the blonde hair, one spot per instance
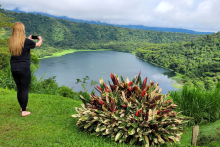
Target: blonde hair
(16, 41)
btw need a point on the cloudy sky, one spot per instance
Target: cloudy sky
(198, 15)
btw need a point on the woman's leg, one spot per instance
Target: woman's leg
(17, 79)
(25, 83)
(22, 80)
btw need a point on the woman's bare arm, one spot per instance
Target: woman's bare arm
(38, 44)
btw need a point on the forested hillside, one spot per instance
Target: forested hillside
(198, 60)
(64, 34)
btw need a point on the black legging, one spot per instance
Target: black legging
(22, 80)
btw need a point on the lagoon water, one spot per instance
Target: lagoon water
(97, 64)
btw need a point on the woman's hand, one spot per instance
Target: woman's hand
(39, 37)
(38, 44)
(30, 37)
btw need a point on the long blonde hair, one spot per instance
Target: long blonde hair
(16, 41)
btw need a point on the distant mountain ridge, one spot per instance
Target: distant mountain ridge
(180, 30)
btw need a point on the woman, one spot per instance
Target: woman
(19, 48)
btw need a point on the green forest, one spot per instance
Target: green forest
(198, 60)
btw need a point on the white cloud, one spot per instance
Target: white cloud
(164, 7)
(198, 15)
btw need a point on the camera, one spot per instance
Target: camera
(34, 37)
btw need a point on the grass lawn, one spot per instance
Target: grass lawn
(51, 124)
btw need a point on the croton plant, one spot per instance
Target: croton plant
(131, 111)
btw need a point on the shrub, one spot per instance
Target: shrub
(6, 78)
(65, 91)
(131, 112)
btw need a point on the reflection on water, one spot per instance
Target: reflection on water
(170, 74)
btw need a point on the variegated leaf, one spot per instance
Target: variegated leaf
(155, 140)
(119, 135)
(173, 138)
(106, 120)
(161, 140)
(89, 124)
(160, 90)
(152, 95)
(76, 115)
(131, 131)
(127, 80)
(138, 129)
(174, 128)
(122, 126)
(102, 128)
(124, 99)
(147, 132)
(83, 105)
(108, 130)
(107, 98)
(84, 118)
(135, 125)
(101, 81)
(122, 115)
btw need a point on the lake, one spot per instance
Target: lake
(97, 64)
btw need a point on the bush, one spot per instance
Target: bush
(131, 112)
(67, 92)
(6, 79)
(46, 86)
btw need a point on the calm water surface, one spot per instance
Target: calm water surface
(96, 64)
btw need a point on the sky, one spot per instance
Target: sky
(197, 15)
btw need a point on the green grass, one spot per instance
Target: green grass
(51, 124)
(64, 52)
(197, 103)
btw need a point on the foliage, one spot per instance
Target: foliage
(4, 54)
(131, 111)
(5, 24)
(65, 91)
(46, 86)
(197, 59)
(203, 105)
(83, 84)
(6, 79)
(5, 21)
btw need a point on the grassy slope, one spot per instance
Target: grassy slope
(51, 124)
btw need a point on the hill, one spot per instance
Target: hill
(55, 29)
(196, 59)
(179, 30)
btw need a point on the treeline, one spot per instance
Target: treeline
(198, 60)
(64, 34)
